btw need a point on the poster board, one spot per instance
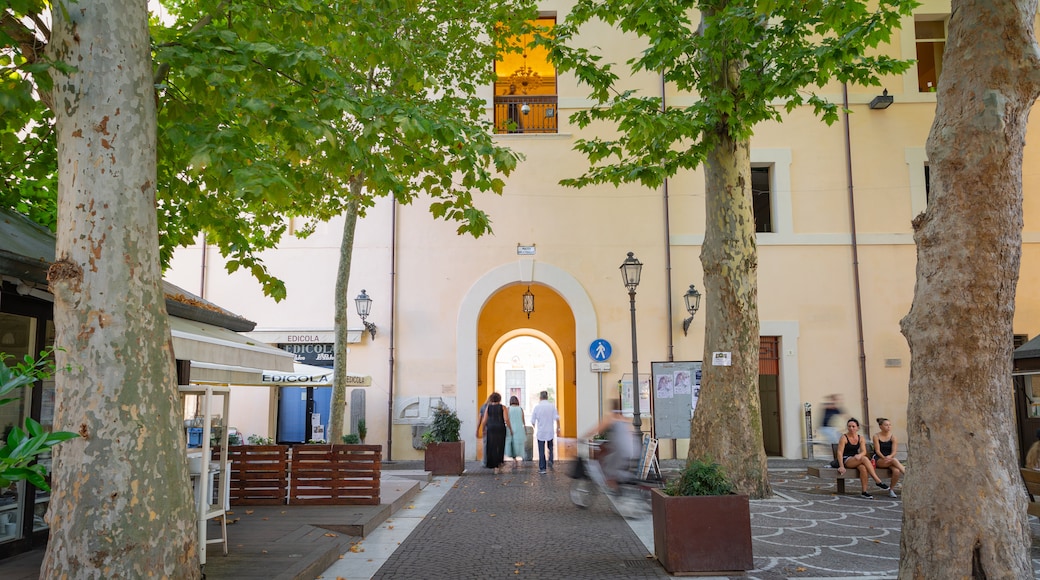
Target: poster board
(676, 388)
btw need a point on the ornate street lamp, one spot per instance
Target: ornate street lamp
(693, 304)
(630, 271)
(528, 302)
(364, 306)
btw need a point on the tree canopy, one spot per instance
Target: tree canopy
(268, 110)
(745, 61)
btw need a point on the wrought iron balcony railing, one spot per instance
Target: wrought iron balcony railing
(525, 114)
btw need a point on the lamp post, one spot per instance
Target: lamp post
(364, 306)
(630, 270)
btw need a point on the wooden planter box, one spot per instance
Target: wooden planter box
(446, 458)
(702, 534)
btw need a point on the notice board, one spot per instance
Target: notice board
(675, 387)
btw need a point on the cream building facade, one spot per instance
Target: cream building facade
(836, 268)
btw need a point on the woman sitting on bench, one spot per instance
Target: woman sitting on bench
(885, 448)
(852, 448)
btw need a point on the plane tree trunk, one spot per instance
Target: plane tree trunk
(343, 304)
(727, 425)
(122, 505)
(964, 507)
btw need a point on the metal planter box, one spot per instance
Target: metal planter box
(445, 458)
(702, 534)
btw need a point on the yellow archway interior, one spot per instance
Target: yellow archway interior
(552, 322)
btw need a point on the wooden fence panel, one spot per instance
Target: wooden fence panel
(259, 474)
(335, 475)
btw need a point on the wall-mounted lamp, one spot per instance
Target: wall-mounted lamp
(881, 101)
(364, 306)
(525, 108)
(692, 298)
(528, 302)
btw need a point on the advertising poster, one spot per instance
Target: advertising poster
(644, 395)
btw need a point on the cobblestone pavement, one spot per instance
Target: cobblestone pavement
(520, 525)
(523, 525)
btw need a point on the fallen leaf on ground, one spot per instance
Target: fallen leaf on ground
(799, 569)
(331, 535)
(356, 548)
(249, 512)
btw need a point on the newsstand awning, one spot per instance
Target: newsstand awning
(301, 376)
(206, 343)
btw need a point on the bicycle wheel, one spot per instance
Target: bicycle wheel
(581, 492)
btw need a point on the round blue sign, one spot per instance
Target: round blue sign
(600, 350)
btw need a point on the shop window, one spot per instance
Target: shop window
(762, 202)
(930, 37)
(525, 92)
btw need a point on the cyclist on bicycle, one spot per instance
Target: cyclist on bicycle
(619, 449)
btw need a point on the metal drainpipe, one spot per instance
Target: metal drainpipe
(667, 252)
(202, 283)
(855, 262)
(393, 310)
(668, 265)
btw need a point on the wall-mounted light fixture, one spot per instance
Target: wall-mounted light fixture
(525, 108)
(364, 306)
(692, 298)
(528, 302)
(881, 101)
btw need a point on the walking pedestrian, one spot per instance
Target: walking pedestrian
(496, 426)
(518, 437)
(544, 417)
(483, 441)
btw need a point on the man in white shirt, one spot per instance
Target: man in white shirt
(544, 418)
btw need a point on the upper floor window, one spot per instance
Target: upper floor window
(525, 92)
(761, 200)
(930, 37)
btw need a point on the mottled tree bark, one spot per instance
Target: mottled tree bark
(727, 425)
(122, 505)
(964, 507)
(343, 305)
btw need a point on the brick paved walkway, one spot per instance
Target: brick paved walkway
(520, 525)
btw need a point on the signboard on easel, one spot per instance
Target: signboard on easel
(675, 387)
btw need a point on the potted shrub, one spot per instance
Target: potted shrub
(351, 439)
(445, 452)
(700, 525)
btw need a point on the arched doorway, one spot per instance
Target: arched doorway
(492, 310)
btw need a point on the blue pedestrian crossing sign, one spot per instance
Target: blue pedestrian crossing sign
(600, 350)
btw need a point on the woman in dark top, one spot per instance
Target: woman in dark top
(852, 449)
(885, 447)
(496, 423)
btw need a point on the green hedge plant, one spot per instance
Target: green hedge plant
(700, 477)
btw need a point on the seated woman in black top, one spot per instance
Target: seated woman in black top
(852, 449)
(885, 447)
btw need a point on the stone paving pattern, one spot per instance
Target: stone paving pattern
(523, 525)
(520, 525)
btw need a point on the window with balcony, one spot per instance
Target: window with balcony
(930, 37)
(525, 92)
